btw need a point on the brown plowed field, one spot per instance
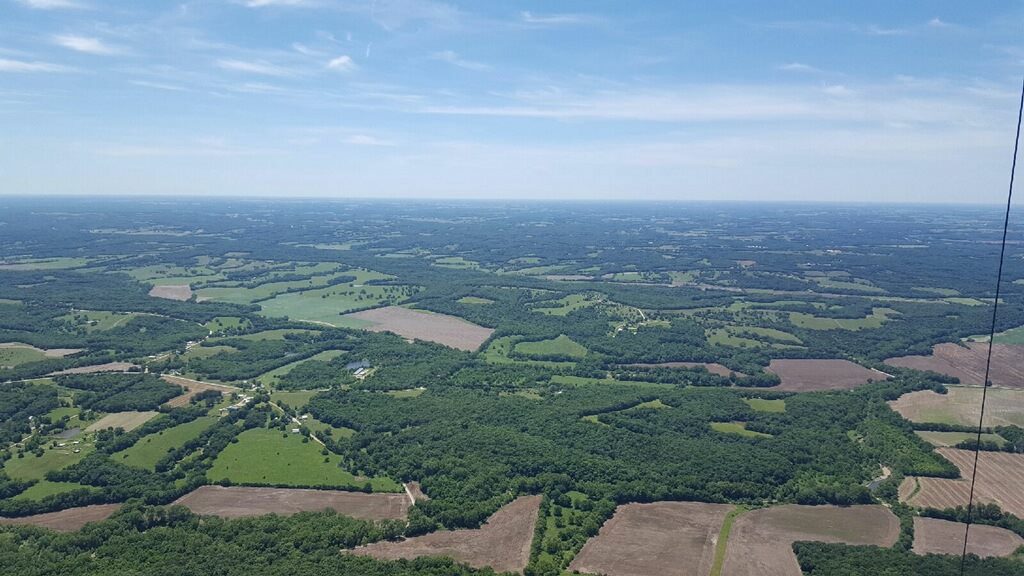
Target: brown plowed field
(934, 536)
(962, 405)
(180, 292)
(503, 543)
(811, 375)
(761, 540)
(127, 420)
(968, 363)
(192, 387)
(65, 520)
(440, 328)
(108, 367)
(712, 367)
(653, 539)
(239, 501)
(1000, 481)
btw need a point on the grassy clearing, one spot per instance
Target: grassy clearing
(206, 351)
(408, 393)
(278, 334)
(656, 404)
(583, 381)
(560, 346)
(326, 305)
(45, 264)
(723, 539)
(499, 349)
(98, 320)
(877, 317)
(150, 449)
(833, 284)
(263, 456)
(563, 306)
(274, 376)
(45, 488)
(17, 355)
(965, 301)
(33, 467)
(953, 438)
(474, 300)
(1011, 336)
(762, 405)
(296, 399)
(456, 262)
(739, 428)
(222, 323)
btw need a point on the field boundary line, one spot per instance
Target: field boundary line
(723, 539)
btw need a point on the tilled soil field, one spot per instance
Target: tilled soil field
(968, 363)
(192, 387)
(503, 543)
(173, 292)
(241, 501)
(440, 328)
(676, 538)
(1000, 481)
(935, 536)
(65, 520)
(962, 405)
(811, 375)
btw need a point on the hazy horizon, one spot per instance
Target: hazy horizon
(417, 99)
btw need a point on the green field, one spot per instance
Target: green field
(474, 300)
(326, 305)
(98, 320)
(497, 352)
(221, 323)
(17, 355)
(45, 488)
(271, 378)
(150, 449)
(45, 264)
(407, 393)
(457, 262)
(877, 317)
(739, 428)
(560, 346)
(954, 438)
(565, 305)
(263, 456)
(278, 334)
(762, 405)
(584, 381)
(33, 467)
(296, 399)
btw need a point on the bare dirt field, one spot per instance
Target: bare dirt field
(811, 375)
(127, 420)
(192, 387)
(712, 367)
(173, 292)
(415, 492)
(239, 501)
(999, 480)
(654, 539)
(108, 367)
(968, 363)
(503, 543)
(440, 328)
(761, 540)
(962, 405)
(935, 536)
(49, 353)
(65, 520)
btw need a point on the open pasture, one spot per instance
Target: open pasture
(68, 520)
(967, 362)
(150, 449)
(712, 367)
(999, 482)
(936, 536)
(33, 467)
(14, 353)
(172, 291)
(421, 325)
(962, 405)
(811, 375)
(44, 488)
(126, 420)
(503, 543)
(947, 439)
(676, 538)
(94, 368)
(761, 541)
(241, 501)
(877, 317)
(560, 346)
(263, 456)
(193, 387)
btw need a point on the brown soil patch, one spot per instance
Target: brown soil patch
(712, 367)
(192, 387)
(1000, 475)
(935, 536)
(240, 501)
(655, 539)
(968, 363)
(440, 328)
(503, 543)
(810, 375)
(65, 520)
(108, 367)
(761, 541)
(414, 490)
(49, 353)
(962, 405)
(173, 292)
(127, 420)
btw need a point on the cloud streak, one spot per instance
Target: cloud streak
(86, 44)
(9, 65)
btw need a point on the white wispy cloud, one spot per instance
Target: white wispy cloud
(342, 63)
(306, 50)
(159, 86)
(454, 59)
(86, 44)
(365, 140)
(254, 67)
(10, 65)
(51, 4)
(264, 3)
(555, 19)
(798, 67)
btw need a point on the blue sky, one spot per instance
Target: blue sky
(815, 100)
